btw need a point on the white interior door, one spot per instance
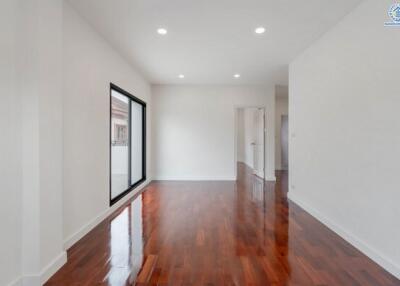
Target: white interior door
(284, 142)
(258, 142)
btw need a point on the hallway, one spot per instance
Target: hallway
(216, 233)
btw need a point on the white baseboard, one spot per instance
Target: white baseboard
(48, 271)
(53, 267)
(369, 251)
(31, 280)
(200, 178)
(259, 174)
(41, 278)
(16, 282)
(85, 229)
(247, 165)
(61, 259)
(194, 178)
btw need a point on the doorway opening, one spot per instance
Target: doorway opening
(250, 139)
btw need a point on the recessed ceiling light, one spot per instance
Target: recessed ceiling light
(181, 76)
(162, 31)
(236, 75)
(259, 30)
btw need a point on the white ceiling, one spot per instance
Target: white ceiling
(210, 40)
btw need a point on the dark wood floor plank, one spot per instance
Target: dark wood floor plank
(216, 233)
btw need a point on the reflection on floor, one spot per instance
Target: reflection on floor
(216, 233)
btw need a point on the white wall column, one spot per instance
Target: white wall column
(39, 42)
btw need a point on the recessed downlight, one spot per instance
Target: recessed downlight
(162, 31)
(236, 75)
(181, 76)
(260, 30)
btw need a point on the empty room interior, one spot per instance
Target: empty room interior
(224, 142)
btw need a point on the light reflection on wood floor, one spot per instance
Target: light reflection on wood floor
(216, 233)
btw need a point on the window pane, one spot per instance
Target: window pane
(119, 143)
(136, 142)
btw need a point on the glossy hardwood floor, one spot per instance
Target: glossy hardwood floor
(216, 233)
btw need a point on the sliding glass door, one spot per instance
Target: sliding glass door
(128, 142)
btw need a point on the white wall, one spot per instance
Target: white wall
(31, 117)
(194, 130)
(10, 149)
(345, 131)
(33, 148)
(90, 64)
(39, 48)
(281, 108)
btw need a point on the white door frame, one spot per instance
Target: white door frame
(235, 110)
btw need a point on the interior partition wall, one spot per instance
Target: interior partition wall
(127, 142)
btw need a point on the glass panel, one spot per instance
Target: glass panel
(136, 142)
(119, 143)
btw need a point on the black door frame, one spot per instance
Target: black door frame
(131, 187)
